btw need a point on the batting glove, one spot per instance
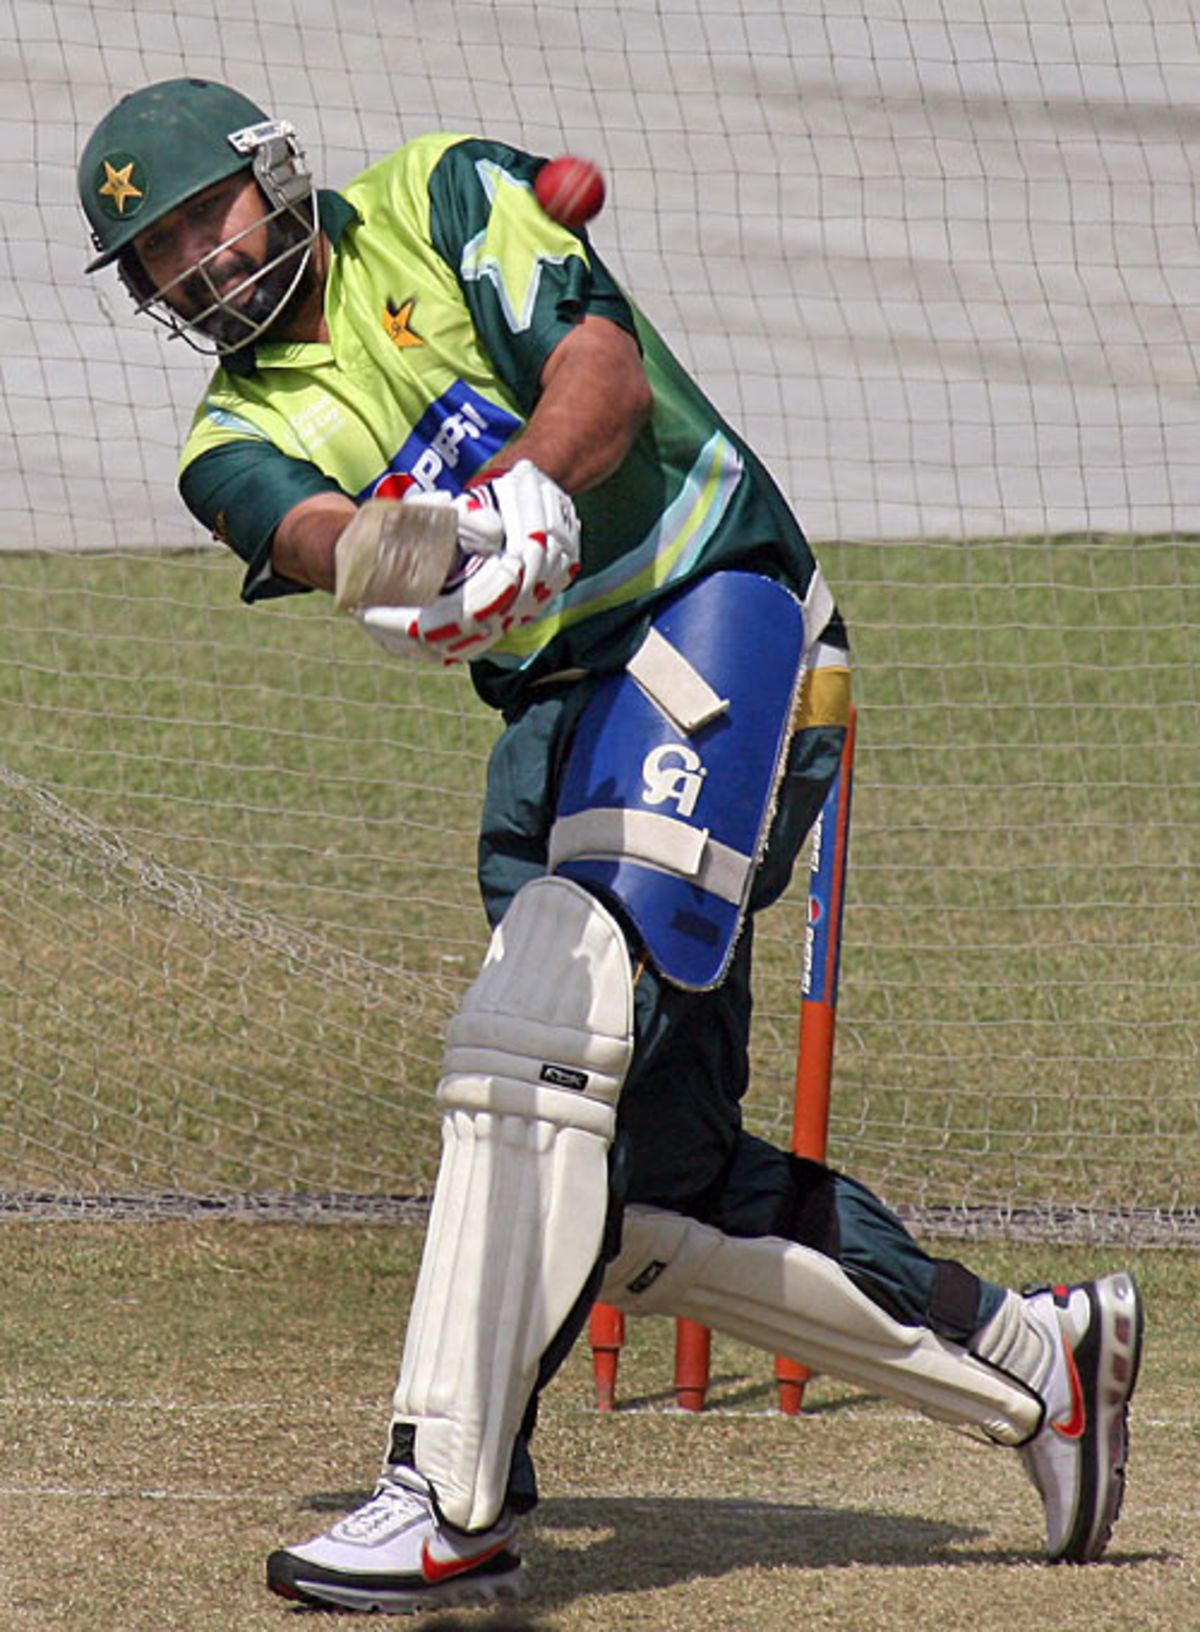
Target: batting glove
(519, 547)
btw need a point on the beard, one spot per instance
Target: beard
(264, 304)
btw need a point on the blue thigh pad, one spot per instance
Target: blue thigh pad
(670, 782)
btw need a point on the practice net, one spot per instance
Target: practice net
(943, 269)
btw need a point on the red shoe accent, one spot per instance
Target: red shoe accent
(437, 1569)
(1076, 1423)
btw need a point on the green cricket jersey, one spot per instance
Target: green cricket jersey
(448, 289)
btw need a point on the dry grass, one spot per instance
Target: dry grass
(180, 1398)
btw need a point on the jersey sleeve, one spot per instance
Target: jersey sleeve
(526, 280)
(240, 491)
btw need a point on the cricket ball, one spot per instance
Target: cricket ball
(570, 190)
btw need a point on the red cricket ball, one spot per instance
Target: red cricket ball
(570, 190)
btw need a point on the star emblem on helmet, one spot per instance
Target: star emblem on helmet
(118, 185)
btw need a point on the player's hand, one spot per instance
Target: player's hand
(518, 539)
(527, 521)
(476, 514)
(541, 535)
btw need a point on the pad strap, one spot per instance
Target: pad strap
(819, 606)
(674, 685)
(659, 841)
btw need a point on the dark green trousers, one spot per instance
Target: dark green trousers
(681, 1144)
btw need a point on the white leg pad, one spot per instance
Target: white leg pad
(792, 1301)
(535, 1060)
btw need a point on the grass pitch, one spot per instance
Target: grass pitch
(237, 899)
(181, 1397)
(237, 904)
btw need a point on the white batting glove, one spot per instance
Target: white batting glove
(480, 529)
(519, 542)
(541, 531)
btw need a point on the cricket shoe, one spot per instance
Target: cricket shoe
(1077, 1458)
(394, 1555)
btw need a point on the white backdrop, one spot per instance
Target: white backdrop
(940, 260)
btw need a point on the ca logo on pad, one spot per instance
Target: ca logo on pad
(673, 771)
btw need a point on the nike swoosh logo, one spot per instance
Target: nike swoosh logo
(1076, 1423)
(443, 1569)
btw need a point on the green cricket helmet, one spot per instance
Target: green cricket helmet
(159, 147)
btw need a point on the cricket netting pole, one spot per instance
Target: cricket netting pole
(818, 1005)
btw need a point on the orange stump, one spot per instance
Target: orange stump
(606, 1332)
(693, 1345)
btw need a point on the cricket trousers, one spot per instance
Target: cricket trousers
(680, 1143)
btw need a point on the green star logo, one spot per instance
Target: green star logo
(511, 250)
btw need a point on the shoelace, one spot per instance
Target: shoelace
(391, 1505)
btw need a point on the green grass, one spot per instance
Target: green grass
(181, 1398)
(252, 992)
(236, 855)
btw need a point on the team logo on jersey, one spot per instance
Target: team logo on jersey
(117, 186)
(397, 324)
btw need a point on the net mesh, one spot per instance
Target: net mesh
(942, 270)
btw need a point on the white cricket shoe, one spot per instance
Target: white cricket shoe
(1077, 1458)
(395, 1555)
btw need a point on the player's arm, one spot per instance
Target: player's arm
(305, 540)
(556, 327)
(594, 400)
(245, 490)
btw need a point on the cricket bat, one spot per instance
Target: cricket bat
(394, 554)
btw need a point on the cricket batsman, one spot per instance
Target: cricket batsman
(433, 401)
